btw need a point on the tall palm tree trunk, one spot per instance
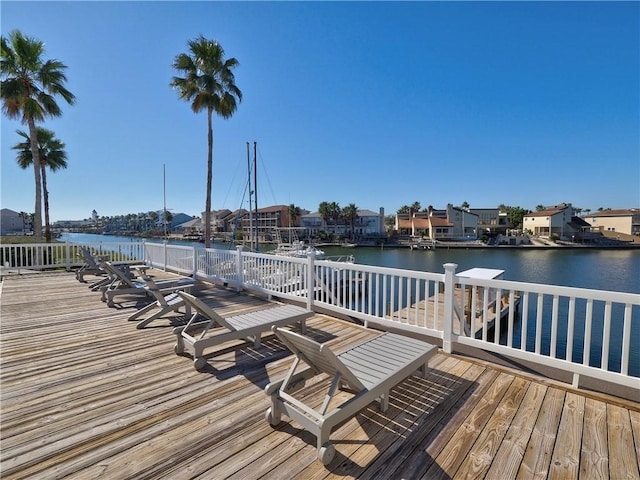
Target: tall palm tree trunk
(37, 215)
(45, 196)
(207, 212)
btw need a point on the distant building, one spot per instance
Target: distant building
(622, 221)
(559, 220)
(452, 223)
(195, 226)
(368, 224)
(491, 221)
(12, 223)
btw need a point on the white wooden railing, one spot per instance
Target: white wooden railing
(584, 332)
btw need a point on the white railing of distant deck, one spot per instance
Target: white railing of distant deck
(571, 329)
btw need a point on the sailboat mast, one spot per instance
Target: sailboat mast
(255, 186)
(250, 205)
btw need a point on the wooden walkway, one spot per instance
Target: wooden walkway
(85, 395)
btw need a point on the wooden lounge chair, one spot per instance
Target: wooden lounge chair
(248, 326)
(370, 370)
(92, 267)
(123, 284)
(164, 302)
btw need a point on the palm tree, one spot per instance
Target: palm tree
(51, 153)
(350, 214)
(209, 84)
(294, 213)
(29, 85)
(24, 216)
(324, 209)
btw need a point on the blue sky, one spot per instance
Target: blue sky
(380, 104)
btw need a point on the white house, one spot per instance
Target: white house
(621, 221)
(367, 224)
(560, 220)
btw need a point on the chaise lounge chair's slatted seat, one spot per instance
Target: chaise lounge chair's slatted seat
(123, 284)
(370, 370)
(247, 326)
(164, 302)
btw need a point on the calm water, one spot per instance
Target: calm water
(617, 270)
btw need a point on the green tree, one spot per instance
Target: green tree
(29, 85)
(404, 209)
(350, 214)
(51, 154)
(295, 213)
(324, 209)
(209, 84)
(24, 216)
(515, 215)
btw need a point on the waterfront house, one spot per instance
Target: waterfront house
(559, 220)
(12, 223)
(625, 221)
(312, 223)
(368, 224)
(265, 222)
(491, 221)
(193, 227)
(452, 223)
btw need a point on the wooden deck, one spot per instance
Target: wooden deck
(85, 395)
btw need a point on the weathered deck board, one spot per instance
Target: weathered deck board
(84, 394)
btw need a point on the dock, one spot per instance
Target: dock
(436, 302)
(84, 394)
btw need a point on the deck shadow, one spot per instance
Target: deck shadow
(418, 412)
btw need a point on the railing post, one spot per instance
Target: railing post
(449, 286)
(195, 262)
(310, 281)
(239, 269)
(67, 250)
(164, 242)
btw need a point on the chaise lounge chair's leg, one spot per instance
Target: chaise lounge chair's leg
(178, 348)
(326, 450)
(273, 415)
(110, 296)
(384, 402)
(199, 363)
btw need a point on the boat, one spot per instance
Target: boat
(298, 249)
(289, 245)
(423, 244)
